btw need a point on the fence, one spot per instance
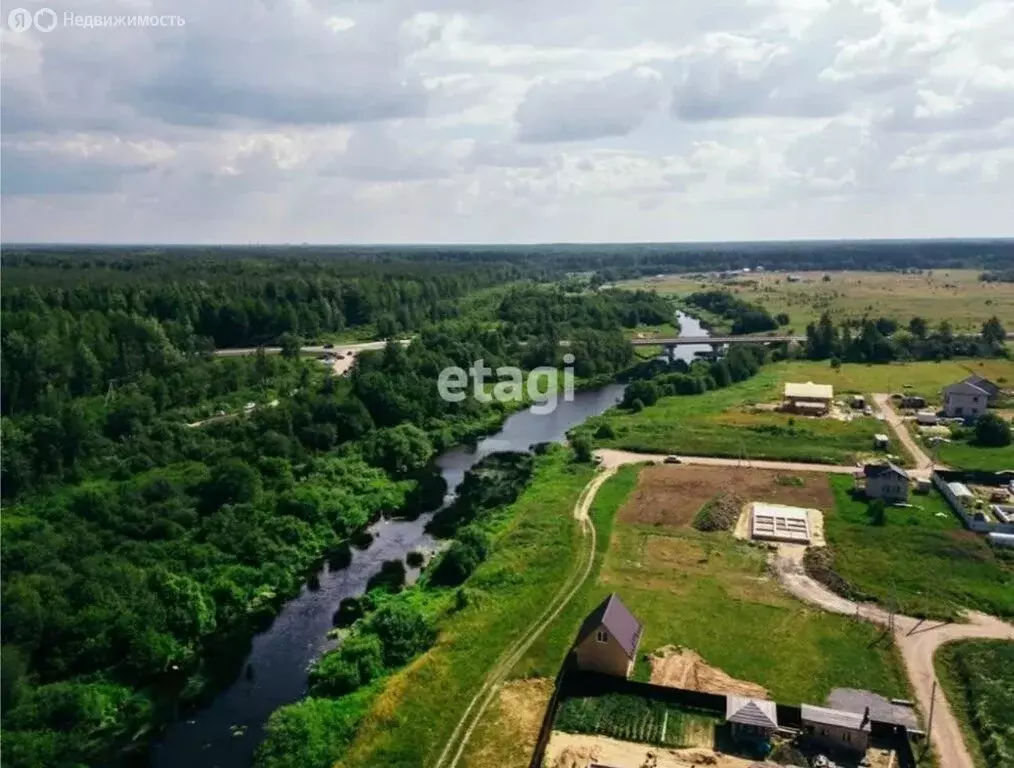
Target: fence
(941, 480)
(572, 682)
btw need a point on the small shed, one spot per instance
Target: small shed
(837, 729)
(927, 418)
(1004, 540)
(608, 639)
(752, 720)
(881, 442)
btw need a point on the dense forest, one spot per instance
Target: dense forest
(137, 543)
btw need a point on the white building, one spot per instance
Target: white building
(965, 400)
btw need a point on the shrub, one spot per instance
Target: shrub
(992, 431)
(415, 558)
(403, 630)
(390, 578)
(720, 513)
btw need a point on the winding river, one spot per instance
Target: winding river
(226, 733)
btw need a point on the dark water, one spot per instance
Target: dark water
(280, 656)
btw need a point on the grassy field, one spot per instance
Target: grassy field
(419, 707)
(922, 561)
(978, 678)
(724, 423)
(966, 455)
(923, 379)
(714, 595)
(955, 295)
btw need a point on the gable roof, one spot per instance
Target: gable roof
(739, 709)
(983, 383)
(965, 388)
(809, 391)
(883, 470)
(836, 717)
(613, 616)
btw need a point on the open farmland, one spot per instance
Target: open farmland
(714, 595)
(737, 422)
(921, 561)
(978, 678)
(956, 295)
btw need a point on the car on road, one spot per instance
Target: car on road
(329, 346)
(671, 460)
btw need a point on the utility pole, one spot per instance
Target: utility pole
(933, 703)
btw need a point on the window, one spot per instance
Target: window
(601, 636)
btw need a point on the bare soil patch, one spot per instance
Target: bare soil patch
(571, 750)
(683, 668)
(671, 495)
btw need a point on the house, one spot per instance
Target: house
(836, 729)
(966, 399)
(808, 398)
(608, 639)
(991, 389)
(752, 720)
(886, 481)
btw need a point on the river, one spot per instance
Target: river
(280, 656)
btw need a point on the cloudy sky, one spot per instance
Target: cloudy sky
(510, 121)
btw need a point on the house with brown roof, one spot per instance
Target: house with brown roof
(752, 720)
(608, 639)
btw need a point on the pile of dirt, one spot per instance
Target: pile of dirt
(682, 668)
(719, 514)
(819, 565)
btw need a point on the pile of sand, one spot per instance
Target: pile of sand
(682, 668)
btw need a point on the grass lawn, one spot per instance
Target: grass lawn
(964, 455)
(714, 595)
(420, 705)
(978, 678)
(956, 295)
(724, 423)
(922, 559)
(924, 379)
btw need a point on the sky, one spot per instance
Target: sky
(507, 121)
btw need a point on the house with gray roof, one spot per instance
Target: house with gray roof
(836, 729)
(886, 481)
(608, 639)
(752, 720)
(968, 399)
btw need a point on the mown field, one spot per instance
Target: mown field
(921, 561)
(726, 422)
(978, 678)
(967, 455)
(632, 718)
(414, 715)
(955, 295)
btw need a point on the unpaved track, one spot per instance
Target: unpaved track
(615, 458)
(481, 701)
(917, 639)
(923, 463)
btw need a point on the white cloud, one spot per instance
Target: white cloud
(479, 120)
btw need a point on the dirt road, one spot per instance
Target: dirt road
(487, 693)
(923, 463)
(613, 458)
(917, 639)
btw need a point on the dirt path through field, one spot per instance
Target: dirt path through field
(486, 694)
(614, 458)
(917, 639)
(923, 463)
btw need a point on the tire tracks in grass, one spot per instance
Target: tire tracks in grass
(509, 658)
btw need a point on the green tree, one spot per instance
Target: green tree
(582, 446)
(401, 449)
(918, 327)
(403, 630)
(291, 345)
(877, 512)
(992, 430)
(993, 332)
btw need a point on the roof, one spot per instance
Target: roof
(751, 711)
(883, 470)
(809, 391)
(983, 383)
(811, 404)
(617, 620)
(960, 489)
(965, 388)
(838, 717)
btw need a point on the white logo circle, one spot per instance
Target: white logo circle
(45, 19)
(19, 19)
